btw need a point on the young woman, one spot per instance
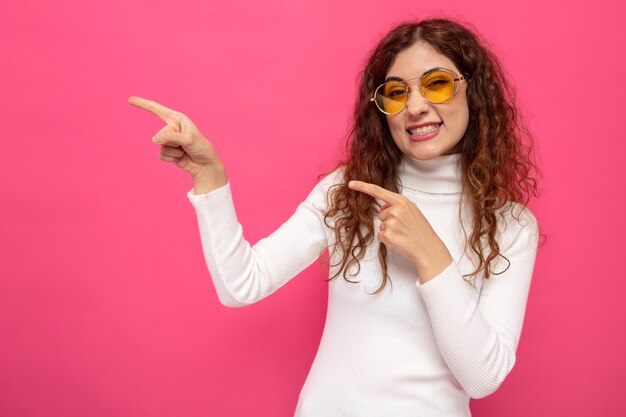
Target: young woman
(431, 244)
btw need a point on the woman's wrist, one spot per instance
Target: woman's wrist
(206, 181)
(433, 265)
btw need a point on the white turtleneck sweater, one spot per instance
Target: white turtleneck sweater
(411, 350)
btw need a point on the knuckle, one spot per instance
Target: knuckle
(180, 116)
(187, 140)
(193, 136)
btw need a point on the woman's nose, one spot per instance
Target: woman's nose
(416, 103)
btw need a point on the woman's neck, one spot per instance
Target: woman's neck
(440, 175)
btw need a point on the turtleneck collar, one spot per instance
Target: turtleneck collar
(440, 175)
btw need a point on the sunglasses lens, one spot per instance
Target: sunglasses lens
(438, 86)
(391, 97)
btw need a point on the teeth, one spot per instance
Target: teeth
(424, 129)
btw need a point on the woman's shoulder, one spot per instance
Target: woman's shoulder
(518, 219)
(334, 177)
(330, 179)
(520, 212)
(320, 194)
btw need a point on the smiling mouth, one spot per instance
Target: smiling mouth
(424, 129)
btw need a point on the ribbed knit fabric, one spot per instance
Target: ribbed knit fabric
(412, 350)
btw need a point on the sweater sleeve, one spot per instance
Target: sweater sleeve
(478, 337)
(243, 274)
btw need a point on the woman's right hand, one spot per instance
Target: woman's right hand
(183, 144)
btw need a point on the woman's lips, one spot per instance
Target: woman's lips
(424, 136)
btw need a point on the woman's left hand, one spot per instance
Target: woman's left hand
(405, 230)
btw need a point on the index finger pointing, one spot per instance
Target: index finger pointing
(374, 190)
(153, 107)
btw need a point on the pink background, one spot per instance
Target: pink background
(106, 307)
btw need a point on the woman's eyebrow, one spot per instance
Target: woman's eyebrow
(402, 79)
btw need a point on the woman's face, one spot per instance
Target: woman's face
(412, 128)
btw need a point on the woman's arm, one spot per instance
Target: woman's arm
(478, 337)
(243, 274)
(478, 342)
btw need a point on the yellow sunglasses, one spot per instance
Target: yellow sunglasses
(437, 86)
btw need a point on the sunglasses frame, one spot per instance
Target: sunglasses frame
(455, 77)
